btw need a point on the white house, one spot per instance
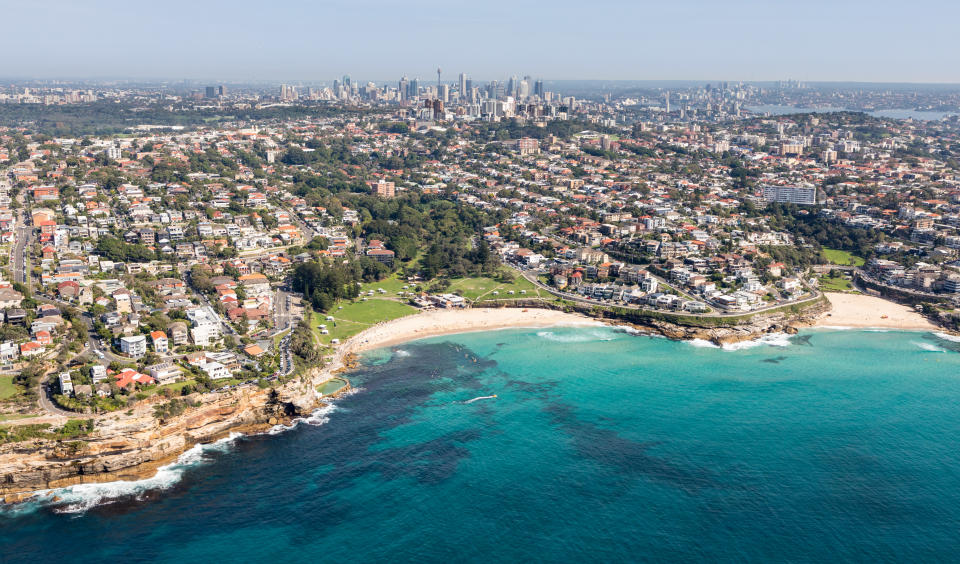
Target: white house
(134, 347)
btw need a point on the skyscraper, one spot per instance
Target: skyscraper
(443, 93)
(512, 86)
(414, 88)
(211, 92)
(463, 86)
(221, 91)
(346, 80)
(403, 88)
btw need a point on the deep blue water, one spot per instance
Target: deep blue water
(601, 446)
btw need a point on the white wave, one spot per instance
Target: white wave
(770, 340)
(577, 337)
(948, 337)
(401, 353)
(930, 347)
(83, 497)
(316, 418)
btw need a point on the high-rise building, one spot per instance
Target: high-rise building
(414, 88)
(512, 86)
(221, 91)
(667, 98)
(211, 92)
(346, 80)
(803, 195)
(403, 88)
(463, 86)
(538, 88)
(443, 93)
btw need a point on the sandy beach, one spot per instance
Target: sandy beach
(858, 310)
(448, 321)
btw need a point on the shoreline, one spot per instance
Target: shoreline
(441, 322)
(860, 311)
(853, 314)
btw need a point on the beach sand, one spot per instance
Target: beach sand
(857, 310)
(447, 321)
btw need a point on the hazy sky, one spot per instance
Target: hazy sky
(842, 40)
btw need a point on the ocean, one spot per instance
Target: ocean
(600, 445)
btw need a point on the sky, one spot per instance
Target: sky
(380, 40)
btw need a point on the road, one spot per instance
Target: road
(18, 259)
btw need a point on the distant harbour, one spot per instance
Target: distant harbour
(778, 110)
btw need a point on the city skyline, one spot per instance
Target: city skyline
(747, 40)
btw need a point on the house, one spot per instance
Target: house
(165, 372)
(31, 348)
(215, 370)
(129, 377)
(17, 316)
(134, 347)
(98, 373)
(66, 384)
(178, 333)
(10, 298)
(159, 339)
(68, 290)
(254, 351)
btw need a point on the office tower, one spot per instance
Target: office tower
(463, 86)
(538, 88)
(346, 80)
(221, 91)
(403, 88)
(211, 92)
(284, 92)
(512, 86)
(523, 89)
(667, 97)
(414, 88)
(469, 88)
(443, 93)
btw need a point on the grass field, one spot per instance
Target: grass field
(7, 389)
(842, 258)
(828, 284)
(357, 316)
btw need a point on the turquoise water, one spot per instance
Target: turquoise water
(600, 446)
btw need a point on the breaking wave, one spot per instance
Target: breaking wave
(770, 340)
(930, 347)
(81, 498)
(948, 337)
(578, 337)
(316, 418)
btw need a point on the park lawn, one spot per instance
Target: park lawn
(357, 316)
(841, 284)
(472, 288)
(372, 311)
(841, 258)
(7, 387)
(391, 284)
(14, 417)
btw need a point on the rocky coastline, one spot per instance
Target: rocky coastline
(133, 446)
